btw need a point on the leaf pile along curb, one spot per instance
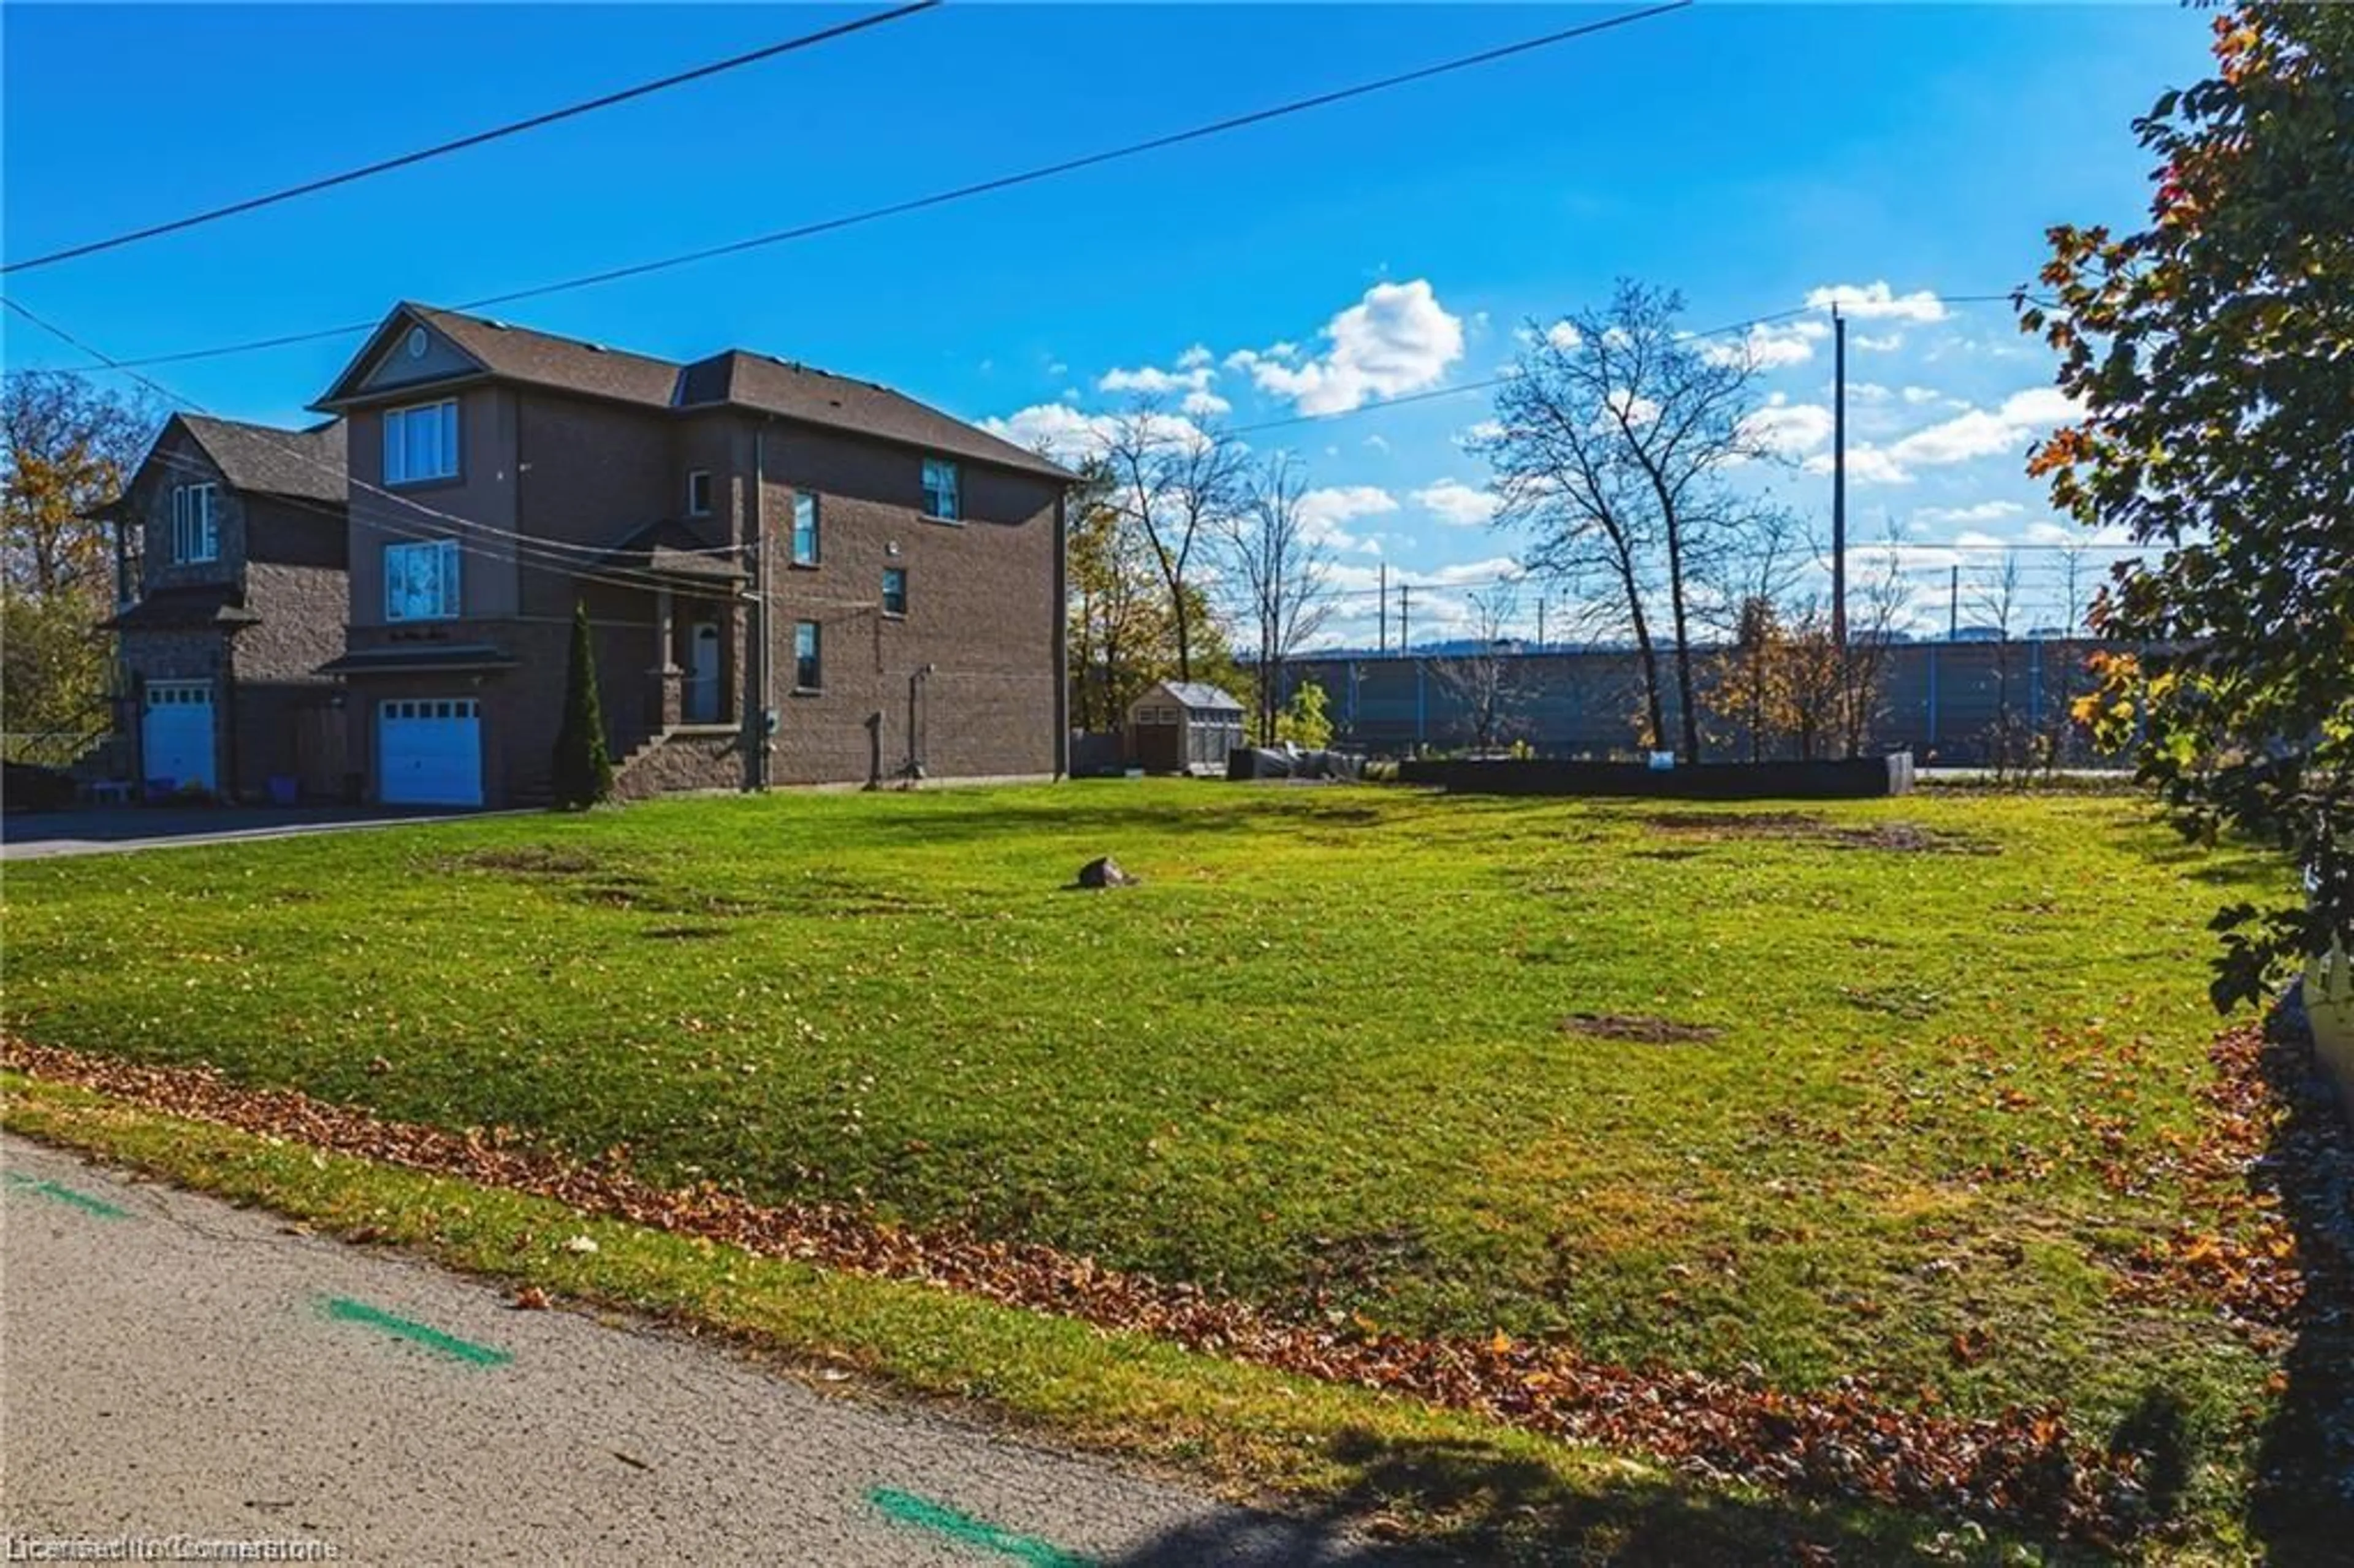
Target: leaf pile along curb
(1843, 1441)
(2246, 1259)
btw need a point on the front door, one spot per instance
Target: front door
(702, 675)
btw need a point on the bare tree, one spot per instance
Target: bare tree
(1484, 680)
(1181, 484)
(1878, 604)
(1282, 574)
(1996, 600)
(1614, 432)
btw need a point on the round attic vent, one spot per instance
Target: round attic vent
(416, 343)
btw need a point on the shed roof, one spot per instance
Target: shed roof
(1200, 694)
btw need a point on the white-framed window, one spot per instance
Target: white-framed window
(940, 489)
(809, 667)
(698, 492)
(196, 523)
(894, 591)
(805, 542)
(421, 443)
(420, 581)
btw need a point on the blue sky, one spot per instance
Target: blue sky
(1746, 154)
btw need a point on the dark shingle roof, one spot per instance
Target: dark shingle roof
(179, 608)
(414, 657)
(305, 464)
(735, 377)
(671, 549)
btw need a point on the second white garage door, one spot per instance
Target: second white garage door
(429, 751)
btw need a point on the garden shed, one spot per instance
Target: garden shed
(1179, 726)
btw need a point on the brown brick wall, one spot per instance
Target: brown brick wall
(484, 493)
(981, 612)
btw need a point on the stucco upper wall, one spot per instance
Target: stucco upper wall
(483, 495)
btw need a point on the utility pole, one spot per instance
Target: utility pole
(1541, 641)
(1406, 619)
(1954, 603)
(1839, 481)
(1383, 611)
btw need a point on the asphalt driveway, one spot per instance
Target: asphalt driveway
(32, 835)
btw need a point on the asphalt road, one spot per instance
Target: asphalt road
(175, 1367)
(38, 835)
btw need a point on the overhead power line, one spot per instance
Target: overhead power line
(498, 133)
(956, 194)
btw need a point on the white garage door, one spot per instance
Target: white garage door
(175, 734)
(429, 751)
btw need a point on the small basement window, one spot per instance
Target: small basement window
(894, 591)
(698, 492)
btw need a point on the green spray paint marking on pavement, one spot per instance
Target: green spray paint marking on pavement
(59, 1192)
(906, 1508)
(351, 1311)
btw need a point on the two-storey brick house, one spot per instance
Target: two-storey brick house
(229, 604)
(792, 577)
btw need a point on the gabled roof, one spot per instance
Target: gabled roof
(733, 378)
(264, 459)
(1200, 694)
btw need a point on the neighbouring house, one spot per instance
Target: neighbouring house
(792, 577)
(230, 594)
(1180, 725)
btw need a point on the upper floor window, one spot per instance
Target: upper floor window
(804, 529)
(421, 443)
(196, 523)
(809, 669)
(420, 581)
(940, 489)
(698, 492)
(894, 591)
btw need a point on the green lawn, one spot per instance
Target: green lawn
(1320, 1058)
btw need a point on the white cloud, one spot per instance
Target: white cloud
(1562, 335)
(1323, 515)
(1205, 404)
(1770, 346)
(1873, 301)
(1197, 357)
(1251, 358)
(1473, 434)
(1153, 381)
(1920, 395)
(1888, 344)
(1378, 443)
(1069, 436)
(1979, 511)
(1790, 429)
(1397, 339)
(1354, 578)
(1452, 502)
(1868, 392)
(1971, 434)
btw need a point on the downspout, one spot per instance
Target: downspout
(1062, 612)
(756, 653)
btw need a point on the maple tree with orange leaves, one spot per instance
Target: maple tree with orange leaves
(2213, 355)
